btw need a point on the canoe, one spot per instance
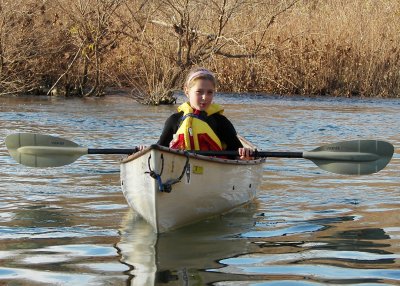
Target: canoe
(172, 188)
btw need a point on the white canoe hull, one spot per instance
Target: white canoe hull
(208, 187)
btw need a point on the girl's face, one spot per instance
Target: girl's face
(200, 94)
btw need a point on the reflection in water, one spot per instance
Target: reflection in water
(137, 248)
(181, 257)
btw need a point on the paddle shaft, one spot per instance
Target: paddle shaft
(312, 155)
(112, 151)
(206, 153)
(257, 154)
(320, 155)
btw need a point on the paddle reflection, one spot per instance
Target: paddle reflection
(182, 257)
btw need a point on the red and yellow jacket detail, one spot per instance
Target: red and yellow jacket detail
(194, 133)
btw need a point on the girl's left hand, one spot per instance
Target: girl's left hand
(245, 154)
(138, 149)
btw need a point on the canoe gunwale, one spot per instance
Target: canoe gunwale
(192, 155)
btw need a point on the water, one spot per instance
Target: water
(71, 225)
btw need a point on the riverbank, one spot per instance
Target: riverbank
(328, 48)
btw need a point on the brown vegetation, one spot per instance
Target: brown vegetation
(308, 47)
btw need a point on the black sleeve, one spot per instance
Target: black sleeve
(227, 133)
(170, 128)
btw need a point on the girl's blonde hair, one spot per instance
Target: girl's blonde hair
(199, 73)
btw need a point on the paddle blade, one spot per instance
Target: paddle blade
(36, 150)
(358, 157)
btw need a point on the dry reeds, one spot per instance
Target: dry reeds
(307, 47)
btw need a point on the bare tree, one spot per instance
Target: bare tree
(93, 32)
(178, 34)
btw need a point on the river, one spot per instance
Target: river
(71, 225)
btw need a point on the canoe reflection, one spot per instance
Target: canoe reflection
(182, 257)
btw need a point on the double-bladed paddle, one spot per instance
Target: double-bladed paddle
(357, 157)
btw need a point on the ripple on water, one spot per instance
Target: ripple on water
(304, 228)
(50, 277)
(54, 232)
(61, 259)
(315, 272)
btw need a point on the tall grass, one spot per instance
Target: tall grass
(305, 47)
(340, 48)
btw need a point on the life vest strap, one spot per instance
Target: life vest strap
(193, 115)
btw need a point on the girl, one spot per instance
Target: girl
(199, 123)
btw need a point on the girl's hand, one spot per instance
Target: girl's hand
(141, 147)
(138, 149)
(245, 154)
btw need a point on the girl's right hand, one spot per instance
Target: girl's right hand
(141, 147)
(245, 153)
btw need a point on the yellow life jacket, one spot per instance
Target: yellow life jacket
(194, 133)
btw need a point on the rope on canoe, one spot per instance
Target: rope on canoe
(167, 186)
